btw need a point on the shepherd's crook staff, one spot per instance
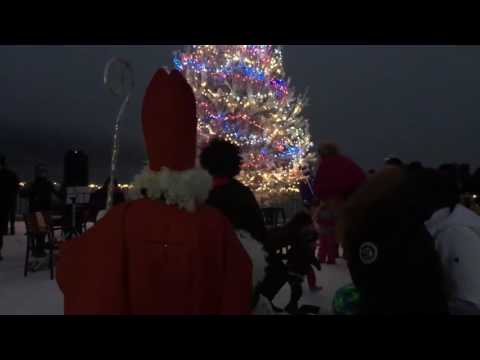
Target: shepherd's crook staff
(118, 77)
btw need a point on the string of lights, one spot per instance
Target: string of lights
(243, 96)
(92, 186)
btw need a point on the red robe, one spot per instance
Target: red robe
(145, 257)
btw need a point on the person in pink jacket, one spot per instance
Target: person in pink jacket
(337, 178)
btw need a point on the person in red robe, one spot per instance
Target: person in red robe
(166, 253)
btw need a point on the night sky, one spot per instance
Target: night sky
(419, 103)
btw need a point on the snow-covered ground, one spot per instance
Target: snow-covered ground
(38, 295)
(19, 295)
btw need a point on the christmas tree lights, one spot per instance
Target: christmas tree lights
(243, 96)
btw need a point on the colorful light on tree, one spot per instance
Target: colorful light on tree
(243, 97)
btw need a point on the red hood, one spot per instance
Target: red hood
(337, 176)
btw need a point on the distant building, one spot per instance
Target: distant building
(75, 168)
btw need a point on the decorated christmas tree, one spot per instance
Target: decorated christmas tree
(244, 97)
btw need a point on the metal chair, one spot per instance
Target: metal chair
(39, 224)
(272, 216)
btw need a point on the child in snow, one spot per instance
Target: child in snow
(298, 236)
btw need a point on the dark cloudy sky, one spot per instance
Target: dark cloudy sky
(418, 102)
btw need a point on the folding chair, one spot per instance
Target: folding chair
(39, 224)
(55, 222)
(272, 215)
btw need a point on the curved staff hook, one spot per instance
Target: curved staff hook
(121, 85)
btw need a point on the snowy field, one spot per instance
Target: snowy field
(38, 295)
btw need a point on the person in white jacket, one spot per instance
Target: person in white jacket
(456, 230)
(457, 238)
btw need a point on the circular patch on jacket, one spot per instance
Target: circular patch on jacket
(368, 253)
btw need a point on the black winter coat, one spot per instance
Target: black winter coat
(301, 254)
(41, 194)
(238, 204)
(9, 186)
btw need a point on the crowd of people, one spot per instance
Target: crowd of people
(411, 240)
(42, 195)
(194, 240)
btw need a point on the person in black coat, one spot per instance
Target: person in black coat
(222, 160)
(13, 214)
(40, 195)
(390, 254)
(9, 186)
(41, 191)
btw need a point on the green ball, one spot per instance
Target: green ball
(346, 301)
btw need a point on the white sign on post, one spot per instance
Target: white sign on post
(78, 194)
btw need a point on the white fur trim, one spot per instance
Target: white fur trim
(101, 214)
(257, 255)
(184, 189)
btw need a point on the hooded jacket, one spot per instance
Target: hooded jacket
(457, 238)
